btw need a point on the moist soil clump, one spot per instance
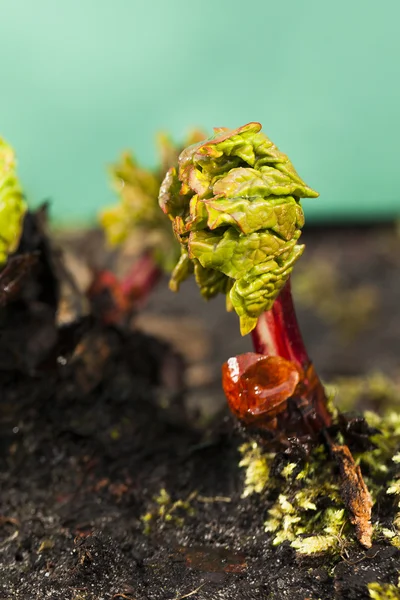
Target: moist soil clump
(107, 495)
(112, 488)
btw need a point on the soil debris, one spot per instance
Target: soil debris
(82, 459)
(355, 493)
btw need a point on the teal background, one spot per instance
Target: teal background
(82, 80)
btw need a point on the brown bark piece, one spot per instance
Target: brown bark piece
(355, 493)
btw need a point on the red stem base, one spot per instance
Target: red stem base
(278, 334)
(113, 301)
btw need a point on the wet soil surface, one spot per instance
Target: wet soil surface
(113, 487)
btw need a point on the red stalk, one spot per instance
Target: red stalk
(141, 279)
(113, 301)
(278, 333)
(258, 390)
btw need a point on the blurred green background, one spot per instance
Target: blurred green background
(82, 80)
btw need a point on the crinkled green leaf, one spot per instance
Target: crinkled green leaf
(12, 204)
(234, 203)
(256, 291)
(239, 143)
(267, 181)
(211, 282)
(182, 270)
(283, 217)
(198, 215)
(236, 254)
(172, 202)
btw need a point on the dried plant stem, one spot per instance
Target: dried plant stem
(354, 492)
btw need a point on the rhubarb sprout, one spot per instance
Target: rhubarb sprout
(12, 204)
(137, 217)
(234, 204)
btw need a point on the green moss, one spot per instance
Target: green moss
(383, 591)
(165, 510)
(301, 513)
(391, 536)
(305, 505)
(257, 464)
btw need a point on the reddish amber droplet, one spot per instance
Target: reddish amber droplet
(272, 393)
(257, 387)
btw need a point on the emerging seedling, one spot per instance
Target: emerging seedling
(137, 221)
(12, 203)
(234, 203)
(13, 268)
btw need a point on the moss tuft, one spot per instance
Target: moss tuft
(383, 591)
(305, 506)
(257, 464)
(301, 513)
(165, 510)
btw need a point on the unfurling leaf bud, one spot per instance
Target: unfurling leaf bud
(234, 204)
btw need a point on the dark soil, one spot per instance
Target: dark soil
(87, 447)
